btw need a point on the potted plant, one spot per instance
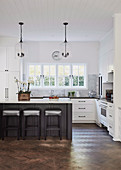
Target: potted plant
(23, 94)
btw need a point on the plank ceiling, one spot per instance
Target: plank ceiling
(89, 20)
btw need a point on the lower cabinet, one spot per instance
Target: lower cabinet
(83, 110)
(8, 87)
(119, 124)
(110, 118)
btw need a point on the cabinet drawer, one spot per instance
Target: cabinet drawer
(110, 116)
(82, 101)
(83, 108)
(83, 116)
(111, 128)
(111, 106)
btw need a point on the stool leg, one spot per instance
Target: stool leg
(23, 127)
(3, 127)
(18, 130)
(45, 126)
(38, 127)
(26, 121)
(6, 124)
(60, 124)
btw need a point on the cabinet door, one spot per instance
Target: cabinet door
(12, 60)
(3, 85)
(2, 58)
(12, 85)
(98, 111)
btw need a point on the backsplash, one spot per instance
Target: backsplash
(92, 86)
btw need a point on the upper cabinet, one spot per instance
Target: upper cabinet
(8, 59)
(106, 57)
(3, 60)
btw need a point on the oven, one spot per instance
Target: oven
(103, 113)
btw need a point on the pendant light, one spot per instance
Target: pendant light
(65, 54)
(21, 52)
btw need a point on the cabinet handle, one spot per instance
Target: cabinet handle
(6, 70)
(81, 116)
(110, 115)
(81, 101)
(110, 126)
(110, 106)
(82, 108)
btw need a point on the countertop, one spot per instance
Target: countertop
(66, 97)
(39, 101)
(105, 100)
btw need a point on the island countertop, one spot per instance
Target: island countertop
(61, 100)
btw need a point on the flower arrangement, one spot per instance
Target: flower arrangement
(23, 87)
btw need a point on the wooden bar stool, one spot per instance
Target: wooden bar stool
(26, 127)
(15, 114)
(51, 127)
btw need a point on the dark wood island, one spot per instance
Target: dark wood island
(64, 105)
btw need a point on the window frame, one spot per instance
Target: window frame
(56, 76)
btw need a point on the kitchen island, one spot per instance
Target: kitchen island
(42, 104)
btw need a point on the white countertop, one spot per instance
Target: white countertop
(61, 100)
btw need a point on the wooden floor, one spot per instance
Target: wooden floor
(91, 149)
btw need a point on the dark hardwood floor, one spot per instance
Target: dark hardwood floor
(90, 149)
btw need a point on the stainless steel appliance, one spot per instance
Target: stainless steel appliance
(103, 112)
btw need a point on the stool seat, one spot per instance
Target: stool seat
(31, 112)
(53, 113)
(11, 113)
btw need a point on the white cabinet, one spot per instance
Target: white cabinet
(98, 112)
(9, 68)
(83, 110)
(110, 118)
(3, 85)
(8, 59)
(3, 64)
(8, 86)
(119, 124)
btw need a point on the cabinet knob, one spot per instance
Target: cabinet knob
(110, 115)
(110, 126)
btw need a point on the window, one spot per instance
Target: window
(35, 74)
(58, 75)
(64, 75)
(78, 75)
(49, 72)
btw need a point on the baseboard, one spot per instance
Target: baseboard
(116, 139)
(83, 121)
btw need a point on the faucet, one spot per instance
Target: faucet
(52, 92)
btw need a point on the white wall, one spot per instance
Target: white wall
(80, 52)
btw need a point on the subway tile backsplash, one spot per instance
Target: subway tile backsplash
(92, 86)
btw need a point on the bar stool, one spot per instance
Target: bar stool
(51, 127)
(5, 122)
(25, 126)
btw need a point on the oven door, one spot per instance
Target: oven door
(103, 117)
(103, 111)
